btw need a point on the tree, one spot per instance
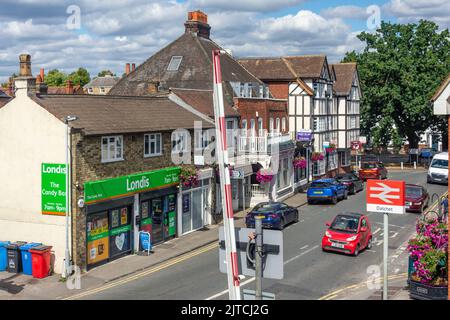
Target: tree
(80, 77)
(400, 68)
(105, 72)
(55, 78)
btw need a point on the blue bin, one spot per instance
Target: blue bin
(26, 257)
(3, 255)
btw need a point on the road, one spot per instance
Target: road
(309, 272)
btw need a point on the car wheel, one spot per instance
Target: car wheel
(310, 202)
(369, 244)
(296, 217)
(281, 224)
(353, 190)
(356, 253)
(345, 195)
(334, 200)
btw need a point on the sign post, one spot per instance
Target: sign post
(386, 196)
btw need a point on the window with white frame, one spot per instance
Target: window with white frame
(319, 168)
(252, 127)
(260, 127)
(90, 90)
(333, 161)
(179, 141)
(244, 127)
(152, 144)
(174, 63)
(112, 148)
(283, 124)
(201, 139)
(271, 124)
(345, 159)
(278, 124)
(102, 89)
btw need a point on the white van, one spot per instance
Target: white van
(438, 171)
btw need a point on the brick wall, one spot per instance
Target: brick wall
(87, 166)
(279, 90)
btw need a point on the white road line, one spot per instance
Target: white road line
(370, 250)
(304, 247)
(390, 225)
(379, 243)
(394, 235)
(376, 231)
(253, 279)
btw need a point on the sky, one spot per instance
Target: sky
(106, 34)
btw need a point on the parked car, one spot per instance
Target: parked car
(349, 233)
(352, 181)
(416, 198)
(276, 215)
(438, 170)
(427, 153)
(373, 170)
(326, 190)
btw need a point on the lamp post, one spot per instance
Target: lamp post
(67, 268)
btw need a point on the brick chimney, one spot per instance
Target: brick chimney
(42, 74)
(197, 23)
(25, 83)
(153, 87)
(10, 91)
(133, 67)
(127, 69)
(69, 87)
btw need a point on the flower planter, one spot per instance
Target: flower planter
(421, 291)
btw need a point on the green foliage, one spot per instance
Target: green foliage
(55, 78)
(80, 77)
(105, 72)
(400, 68)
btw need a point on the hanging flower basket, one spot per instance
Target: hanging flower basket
(299, 163)
(331, 148)
(264, 176)
(188, 176)
(428, 253)
(317, 156)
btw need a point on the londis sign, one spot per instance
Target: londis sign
(53, 189)
(127, 185)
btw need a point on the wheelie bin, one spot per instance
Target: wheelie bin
(14, 258)
(3, 255)
(41, 260)
(26, 257)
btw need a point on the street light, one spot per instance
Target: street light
(67, 253)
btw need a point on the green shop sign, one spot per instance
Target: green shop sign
(127, 185)
(53, 189)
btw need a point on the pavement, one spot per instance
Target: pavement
(187, 267)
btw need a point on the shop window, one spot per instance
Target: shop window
(345, 159)
(333, 161)
(283, 124)
(201, 139)
(319, 168)
(112, 148)
(152, 145)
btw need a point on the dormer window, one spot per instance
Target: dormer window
(174, 63)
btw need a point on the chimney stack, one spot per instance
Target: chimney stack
(42, 73)
(25, 65)
(127, 69)
(197, 23)
(153, 87)
(11, 87)
(25, 84)
(133, 67)
(69, 87)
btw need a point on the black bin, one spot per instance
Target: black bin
(14, 262)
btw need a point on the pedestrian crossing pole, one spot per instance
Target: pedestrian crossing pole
(225, 185)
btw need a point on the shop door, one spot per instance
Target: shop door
(157, 212)
(171, 215)
(186, 216)
(197, 209)
(97, 238)
(120, 231)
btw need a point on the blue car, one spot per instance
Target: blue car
(326, 190)
(276, 215)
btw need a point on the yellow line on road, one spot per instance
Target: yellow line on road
(139, 275)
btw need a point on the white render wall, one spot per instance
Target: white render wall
(29, 136)
(441, 106)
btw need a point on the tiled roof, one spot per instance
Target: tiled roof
(4, 100)
(114, 114)
(202, 101)
(345, 73)
(194, 72)
(441, 88)
(268, 68)
(62, 90)
(106, 81)
(307, 66)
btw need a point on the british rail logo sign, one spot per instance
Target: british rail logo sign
(386, 196)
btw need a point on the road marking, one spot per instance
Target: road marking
(159, 267)
(304, 247)
(376, 231)
(301, 254)
(379, 243)
(394, 235)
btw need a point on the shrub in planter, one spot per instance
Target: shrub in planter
(428, 251)
(299, 163)
(264, 176)
(188, 176)
(316, 156)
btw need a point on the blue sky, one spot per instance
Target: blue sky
(114, 32)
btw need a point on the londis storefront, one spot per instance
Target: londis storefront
(117, 209)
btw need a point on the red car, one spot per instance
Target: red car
(372, 170)
(349, 233)
(416, 198)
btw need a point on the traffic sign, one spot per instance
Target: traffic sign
(356, 145)
(237, 174)
(386, 196)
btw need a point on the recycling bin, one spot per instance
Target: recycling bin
(26, 257)
(14, 258)
(40, 260)
(3, 255)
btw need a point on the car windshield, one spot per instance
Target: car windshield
(265, 207)
(345, 223)
(369, 165)
(347, 176)
(320, 185)
(413, 192)
(439, 163)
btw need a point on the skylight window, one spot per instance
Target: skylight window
(174, 63)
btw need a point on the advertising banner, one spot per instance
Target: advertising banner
(304, 135)
(53, 189)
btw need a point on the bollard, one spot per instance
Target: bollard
(415, 165)
(401, 164)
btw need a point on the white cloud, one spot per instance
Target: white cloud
(414, 10)
(246, 5)
(346, 12)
